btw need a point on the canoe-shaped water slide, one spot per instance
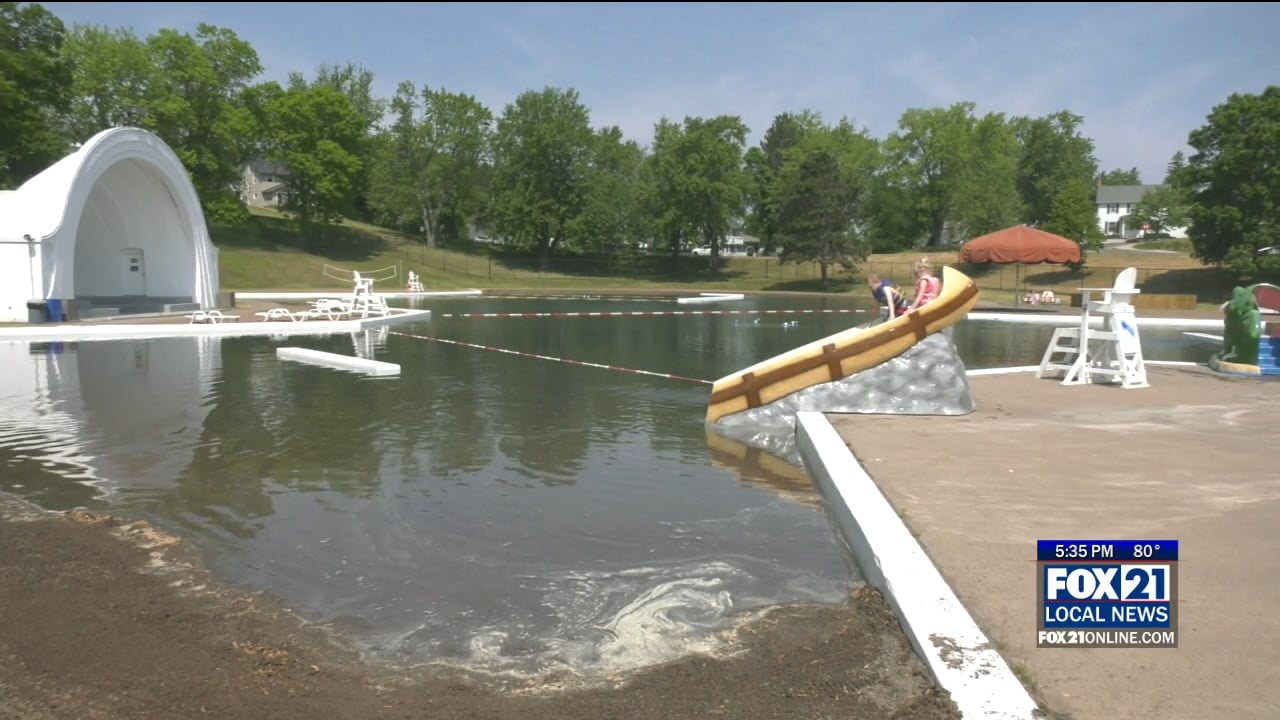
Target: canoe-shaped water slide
(840, 355)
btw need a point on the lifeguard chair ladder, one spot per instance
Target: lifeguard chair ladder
(1118, 355)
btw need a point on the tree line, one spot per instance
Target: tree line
(438, 164)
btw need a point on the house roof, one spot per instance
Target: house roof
(1108, 194)
(273, 187)
(261, 166)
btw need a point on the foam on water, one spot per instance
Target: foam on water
(607, 623)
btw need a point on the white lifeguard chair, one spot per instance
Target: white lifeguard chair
(415, 284)
(1114, 352)
(363, 302)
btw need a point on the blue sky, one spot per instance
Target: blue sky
(1142, 75)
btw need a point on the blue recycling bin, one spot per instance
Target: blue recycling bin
(55, 311)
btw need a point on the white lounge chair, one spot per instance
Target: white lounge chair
(209, 316)
(283, 314)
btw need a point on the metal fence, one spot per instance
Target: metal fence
(1012, 278)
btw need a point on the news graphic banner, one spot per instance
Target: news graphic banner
(1107, 593)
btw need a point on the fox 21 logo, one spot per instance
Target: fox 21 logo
(1143, 582)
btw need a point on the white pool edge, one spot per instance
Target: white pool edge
(1067, 320)
(958, 654)
(338, 294)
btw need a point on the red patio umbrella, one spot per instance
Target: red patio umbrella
(1020, 244)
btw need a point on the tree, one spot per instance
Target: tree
(1056, 173)
(700, 177)
(989, 199)
(114, 76)
(1120, 177)
(195, 103)
(1162, 208)
(428, 165)
(763, 163)
(929, 157)
(821, 194)
(35, 86)
(542, 150)
(1234, 182)
(613, 218)
(316, 133)
(356, 82)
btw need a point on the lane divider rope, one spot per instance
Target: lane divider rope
(643, 313)
(518, 353)
(586, 298)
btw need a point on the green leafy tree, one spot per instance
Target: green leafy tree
(989, 193)
(928, 160)
(1056, 177)
(195, 103)
(1162, 209)
(542, 152)
(356, 82)
(763, 163)
(1234, 181)
(613, 219)
(428, 165)
(35, 87)
(1120, 177)
(114, 74)
(701, 178)
(316, 133)
(822, 193)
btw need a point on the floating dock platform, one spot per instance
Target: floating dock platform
(339, 362)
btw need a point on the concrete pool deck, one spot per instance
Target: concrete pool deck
(1190, 458)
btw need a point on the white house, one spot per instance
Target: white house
(1115, 203)
(115, 223)
(263, 184)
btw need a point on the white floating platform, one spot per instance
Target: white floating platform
(59, 332)
(710, 298)
(340, 362)
(399, 295)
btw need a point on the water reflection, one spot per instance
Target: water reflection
(757, 467)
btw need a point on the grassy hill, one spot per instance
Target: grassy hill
(267, 254)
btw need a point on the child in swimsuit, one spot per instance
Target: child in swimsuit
(887, 293)
(928, 286)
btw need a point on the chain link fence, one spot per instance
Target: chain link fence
(1207, 283)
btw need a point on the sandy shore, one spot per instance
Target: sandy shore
(106, 618)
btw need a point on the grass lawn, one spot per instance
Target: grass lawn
(266, 254)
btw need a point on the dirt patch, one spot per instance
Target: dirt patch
(107, 618)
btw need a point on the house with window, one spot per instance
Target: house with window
(263, 184)
(1116, 203)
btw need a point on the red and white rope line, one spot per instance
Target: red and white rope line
(580, 298)
(643, 313)
(518, 353)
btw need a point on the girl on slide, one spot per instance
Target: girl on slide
(928, 286)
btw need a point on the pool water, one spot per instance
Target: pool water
(483, 509)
